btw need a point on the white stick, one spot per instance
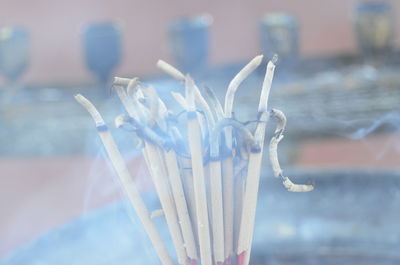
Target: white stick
(253, 173)
(195, 146)
(187, 176)
(239, 193)
(181, 205)
(228, 194)
(217, 212)
(227, 164)
(177, 187)
(158, 173)
(126, 180)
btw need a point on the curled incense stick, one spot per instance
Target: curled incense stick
(273, 154)
(126, 180)
(196, 147)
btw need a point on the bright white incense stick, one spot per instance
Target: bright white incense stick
(217, 212)
(216, 201)
(187, 177)
(227, 163)
(158, 174)
(177, 188)
(181, 205)
(253, 172)
(127, 181)
(196, 147)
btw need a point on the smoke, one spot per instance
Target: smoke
(390, 120)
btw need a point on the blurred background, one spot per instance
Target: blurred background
(337, 81)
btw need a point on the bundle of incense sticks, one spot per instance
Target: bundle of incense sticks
(205, 164)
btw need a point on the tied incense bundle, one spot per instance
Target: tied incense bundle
(205, 165)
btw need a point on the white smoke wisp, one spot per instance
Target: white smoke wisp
(391, 120)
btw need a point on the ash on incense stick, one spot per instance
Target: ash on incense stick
(205, 164)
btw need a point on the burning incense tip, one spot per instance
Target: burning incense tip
(275, 58)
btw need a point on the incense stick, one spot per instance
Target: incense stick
(227, 163)
(158, 174)
(187, 178)
(253, 173)
(207, 184)
(126, 180)
(195, 147)
(177, 187)
(181, 205)
(216, 202)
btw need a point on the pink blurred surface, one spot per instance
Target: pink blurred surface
(38, 194)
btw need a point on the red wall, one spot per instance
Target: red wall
(55, 28)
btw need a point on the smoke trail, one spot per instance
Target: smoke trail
(391, 119)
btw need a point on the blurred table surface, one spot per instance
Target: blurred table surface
(52, 169)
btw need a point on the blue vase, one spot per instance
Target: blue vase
(189, 42)
(15, 46)
(374, 27)
(279, 34)
(102, 49)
